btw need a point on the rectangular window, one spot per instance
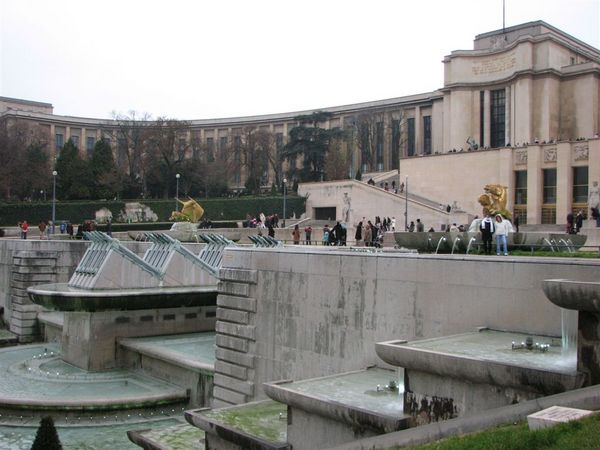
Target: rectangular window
(379, 145)
(365, 141)
(90, 142)
(195, 147)
(395, 144)
(210, 155)
(223, 143)
(237, 149)
(427, 135)
(497, 118)
(521, 187)
(278, 140)
(410, 138)
(59, 140)
(580, 185)
(549, 190)
(75, 140)
(122, 150)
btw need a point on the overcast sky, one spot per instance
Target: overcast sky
(226, 58)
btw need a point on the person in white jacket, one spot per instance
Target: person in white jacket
(503, 227)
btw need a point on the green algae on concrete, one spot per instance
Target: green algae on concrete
(265, 419)
(175, 437)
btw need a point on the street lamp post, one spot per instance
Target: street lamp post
(54, 173)
(284, 193)
(406, 205)
(177, 176)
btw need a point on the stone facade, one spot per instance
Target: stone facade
(529, 92)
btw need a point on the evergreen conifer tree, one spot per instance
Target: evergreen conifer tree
(46, 437)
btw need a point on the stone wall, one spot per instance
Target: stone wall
(296, 313)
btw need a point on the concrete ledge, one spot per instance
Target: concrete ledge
(585, 398)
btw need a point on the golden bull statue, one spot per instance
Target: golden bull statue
(190, 212)
(494, 200)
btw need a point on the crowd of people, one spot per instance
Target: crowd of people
(47, 228)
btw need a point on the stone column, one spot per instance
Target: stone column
(534, 184)
(486, 118)
(564, 181)
(28, 268)
(418, 131)
(236, 338)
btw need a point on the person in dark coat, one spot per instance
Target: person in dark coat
(487, 229)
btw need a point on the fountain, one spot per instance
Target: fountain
(493, 202)
(114, 292)
(453, 376)
(100, 372)
(582, 300)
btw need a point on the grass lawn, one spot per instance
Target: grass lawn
(577, 435)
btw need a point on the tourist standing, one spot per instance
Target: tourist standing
(358, 234)
(570, 229)
(411, 227)
(42, 227)
(487, 229)
(420, 226)
(325, 235)
(578, 221)
(296, 235)
(502, 229)
(308, 234)
(24, 229)
(271, 231)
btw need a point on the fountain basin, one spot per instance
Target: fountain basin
(62, 297)
(445, 242)
(35, 380)
(570, 294)
(340, 408)
(255, 425)
(456, 375)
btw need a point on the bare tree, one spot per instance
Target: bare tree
(166, 149)
(130, 136)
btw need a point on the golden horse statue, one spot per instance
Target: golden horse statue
(190, 212)
(494, 200)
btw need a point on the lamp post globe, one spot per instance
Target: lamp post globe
(54, 173)
(177, 176)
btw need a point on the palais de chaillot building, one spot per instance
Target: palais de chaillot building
(522, 109)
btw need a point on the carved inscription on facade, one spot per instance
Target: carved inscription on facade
(521, 157)
(550, 154)
(581, 152)
(494, 64)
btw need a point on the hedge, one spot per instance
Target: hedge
(217, 210)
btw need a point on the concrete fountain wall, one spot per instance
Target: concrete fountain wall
(296, 313)
(24, 263)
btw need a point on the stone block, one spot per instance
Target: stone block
(243, 303)
(230, 287)
(245, 331)
(228, 397)
(554, 415)
(241, 359)
(231, 370)
(233, 343)
(231, 315)
(244, 276)
(234, 384)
